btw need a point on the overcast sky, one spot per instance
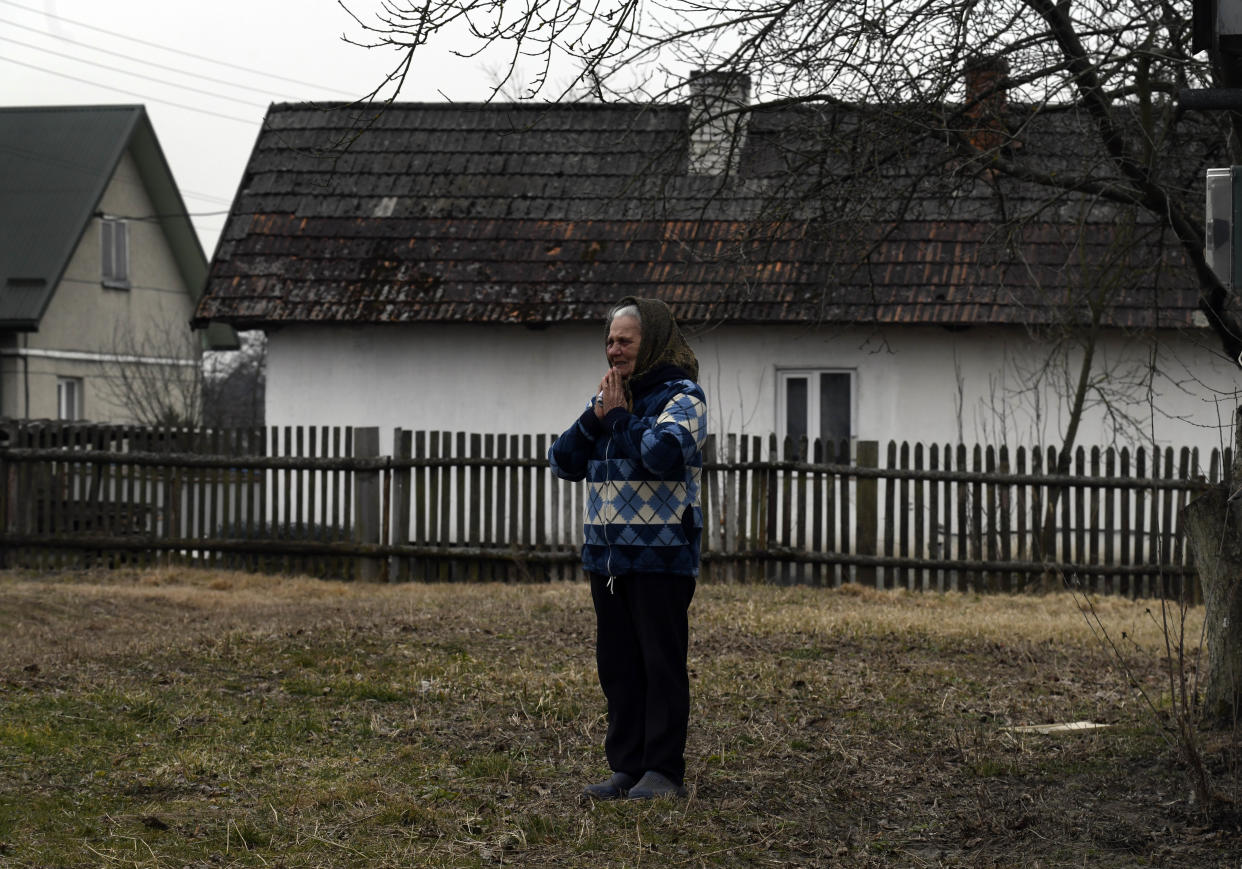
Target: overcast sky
(206, 73)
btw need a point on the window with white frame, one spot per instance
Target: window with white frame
(69, 398)
(114, 252)
(815, 403)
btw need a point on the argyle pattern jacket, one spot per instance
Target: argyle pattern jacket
(643, 472)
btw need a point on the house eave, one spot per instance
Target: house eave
(691, 322)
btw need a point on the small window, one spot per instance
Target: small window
(69, 398)
(816, 404)
(114, 253)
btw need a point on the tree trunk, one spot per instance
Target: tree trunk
(1213, 524)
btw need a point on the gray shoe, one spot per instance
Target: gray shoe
(616, 787)
(653, 785)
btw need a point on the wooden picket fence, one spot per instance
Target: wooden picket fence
(458, 506)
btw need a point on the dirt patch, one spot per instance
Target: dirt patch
(165, 718)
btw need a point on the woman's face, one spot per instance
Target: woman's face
(622, 346)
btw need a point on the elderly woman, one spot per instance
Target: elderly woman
(638, 445)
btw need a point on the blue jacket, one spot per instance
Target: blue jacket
(643, 472)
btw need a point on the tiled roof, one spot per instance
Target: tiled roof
(547, 214)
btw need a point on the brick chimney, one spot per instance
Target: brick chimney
(986, 97)
(717, 130)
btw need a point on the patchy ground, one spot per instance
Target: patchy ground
(206, 719)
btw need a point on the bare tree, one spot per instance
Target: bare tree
(234, 384)
(1114, 66)
(881, 87)
(153, 375)
(1214, 528)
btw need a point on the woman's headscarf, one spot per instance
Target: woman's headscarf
(661, 343)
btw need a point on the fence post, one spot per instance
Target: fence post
(8, 480)
(367, 500)
(402, 448)
(708, 508)
(731, 525)
(866, 513)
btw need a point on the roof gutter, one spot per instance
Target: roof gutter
(85, 356)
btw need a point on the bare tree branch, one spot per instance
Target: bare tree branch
(154, 376)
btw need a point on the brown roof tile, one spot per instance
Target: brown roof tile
(540, 215)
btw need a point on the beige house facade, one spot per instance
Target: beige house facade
(101, 271)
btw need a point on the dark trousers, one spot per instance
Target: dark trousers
(642, 633)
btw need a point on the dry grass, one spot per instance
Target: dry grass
(854, 610)
(191, 718)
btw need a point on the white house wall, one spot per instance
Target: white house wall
(921, 384)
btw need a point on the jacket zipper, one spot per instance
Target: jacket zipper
(608, 483)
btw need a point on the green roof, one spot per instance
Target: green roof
(55, 164)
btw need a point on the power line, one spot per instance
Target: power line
(42, 157)
(27, 154)
(249, 121)
(95, 283)
(207, 197)
(129, 58)
(132, 74)
(152, 218)
(175, 50)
